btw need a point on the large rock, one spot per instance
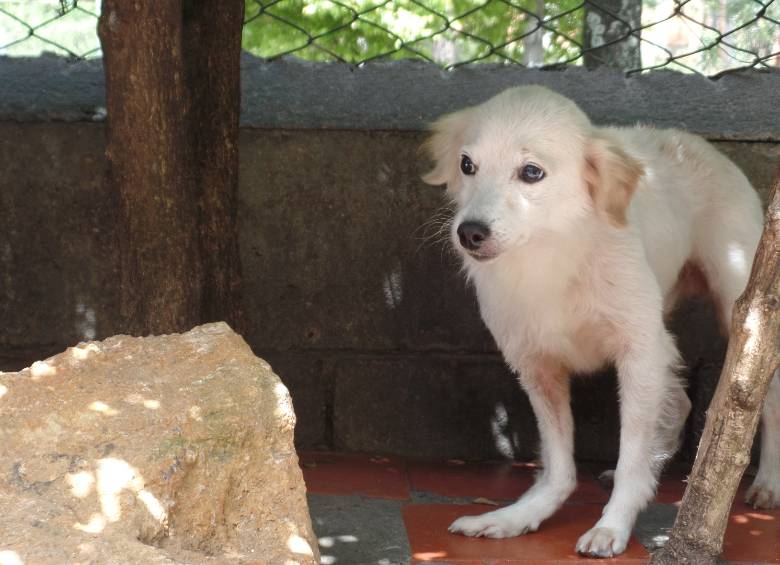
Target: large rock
(171, 449)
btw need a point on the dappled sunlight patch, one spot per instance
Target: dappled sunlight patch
(499, 428)
(750, 327)
(284, 407)
(737, 258)
(115, 475)
(103, 408)
(428, 555)
(329, 542)
(153, 505)
(81, 483)
(297, 544)
(86, 321)
(41, 369)
(760, 516)
(149, 403)
(748, 516)
(8, 557)
(752, 535)
(196, 413)
(326, 542)
(96, 524)
(84, 350)
(740, 519)
(660, 540)
(392, 288)
(3, 391)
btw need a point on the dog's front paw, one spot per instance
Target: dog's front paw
(492, 525)
(764, 493)
(603, 542)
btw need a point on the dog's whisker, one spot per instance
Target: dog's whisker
(436, 230)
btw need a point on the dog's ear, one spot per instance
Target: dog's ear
(444, 147)
(611, 176)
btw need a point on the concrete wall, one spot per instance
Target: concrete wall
(359, 309)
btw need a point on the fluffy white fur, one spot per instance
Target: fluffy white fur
(578, 271)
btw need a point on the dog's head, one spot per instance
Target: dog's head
(526, 163)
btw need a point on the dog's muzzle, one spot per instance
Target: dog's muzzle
(473, 235)
(475, 238)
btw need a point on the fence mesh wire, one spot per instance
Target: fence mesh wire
(709, 37)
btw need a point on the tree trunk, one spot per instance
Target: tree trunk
(533, 45)
(608, 21)
(172, 93)
(724, 452)
(212, 47)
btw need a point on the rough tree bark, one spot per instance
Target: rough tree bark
(212, 47)
(173, 99)
(724, 452)
(533, 45)
(602, 27)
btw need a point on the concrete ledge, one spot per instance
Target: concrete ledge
(406, 95)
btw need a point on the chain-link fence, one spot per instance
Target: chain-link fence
(709, 37)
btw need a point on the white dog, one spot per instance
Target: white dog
(578, 240)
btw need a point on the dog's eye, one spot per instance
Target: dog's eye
(531, 174)
(467, 165)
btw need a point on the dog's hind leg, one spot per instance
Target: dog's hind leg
(669, 432)
(669, 436)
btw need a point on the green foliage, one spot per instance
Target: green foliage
(445, 31)
(736, 48)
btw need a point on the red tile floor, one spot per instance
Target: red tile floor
(465, 488)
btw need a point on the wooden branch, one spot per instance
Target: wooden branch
(724, 452)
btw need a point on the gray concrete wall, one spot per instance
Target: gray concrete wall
(364, 316)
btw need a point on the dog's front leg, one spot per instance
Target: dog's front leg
(547, 386)
(647, 378)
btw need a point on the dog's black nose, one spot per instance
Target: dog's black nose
(473, 234)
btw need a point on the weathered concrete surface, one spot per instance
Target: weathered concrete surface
(353, 529)
(405, 95)
(296, 94)
(464, 407)
(51, 88)
(171, 449)
(56, 253)
(757, 160)
(338, 258)
(345, 217)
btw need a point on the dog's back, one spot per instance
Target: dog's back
(696, 212)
